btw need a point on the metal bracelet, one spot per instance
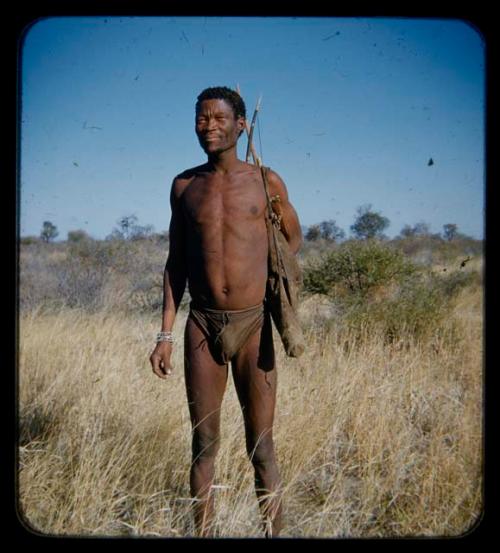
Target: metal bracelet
(164, 337)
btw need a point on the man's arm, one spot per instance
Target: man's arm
(175, 275)
(290, 224)
(174, 281)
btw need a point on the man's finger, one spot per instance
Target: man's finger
(160, 368)
(159, 373)
(157, 369)
(167, 370)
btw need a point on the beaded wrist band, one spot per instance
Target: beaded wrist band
(165, 337)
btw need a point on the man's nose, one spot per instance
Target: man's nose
(211, 124)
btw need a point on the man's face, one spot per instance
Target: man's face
(217, 127)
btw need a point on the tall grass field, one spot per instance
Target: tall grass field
(378, 425)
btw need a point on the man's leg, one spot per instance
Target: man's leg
(255, 379)
(205, 385)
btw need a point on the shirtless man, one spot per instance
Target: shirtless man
(218, 244)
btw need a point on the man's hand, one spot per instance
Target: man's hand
(160, 359)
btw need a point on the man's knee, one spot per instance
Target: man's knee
(260, 449)
(205, 445)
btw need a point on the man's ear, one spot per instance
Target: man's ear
(241, 123)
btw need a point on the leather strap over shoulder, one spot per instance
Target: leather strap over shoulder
(275, 218)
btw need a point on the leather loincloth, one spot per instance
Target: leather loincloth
(227, 331)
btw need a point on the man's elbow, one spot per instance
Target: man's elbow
(176, 267)
(295, 244)
(293, 235)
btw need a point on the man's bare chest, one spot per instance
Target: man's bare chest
(224, 200)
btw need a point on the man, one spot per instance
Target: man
(218, 244)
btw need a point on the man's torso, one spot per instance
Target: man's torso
(226, 236)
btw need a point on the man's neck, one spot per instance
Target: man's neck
(223, 162)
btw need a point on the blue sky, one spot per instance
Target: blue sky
(352, 111)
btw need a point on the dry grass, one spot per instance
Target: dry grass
(371, 440)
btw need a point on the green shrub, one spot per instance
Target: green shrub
(356, 268)
(377, 288)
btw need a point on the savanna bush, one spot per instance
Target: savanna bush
(376, 287)
(29, 240)
(82, 274)
(430, 248)
(356, 268)
(93, 274)
(417, 311)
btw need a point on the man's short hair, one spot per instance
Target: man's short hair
(224, 93)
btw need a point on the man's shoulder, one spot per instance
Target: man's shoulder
(273, 178)
(189, 174)
(271, 172)
(183, 179)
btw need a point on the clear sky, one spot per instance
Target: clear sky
(352, 111)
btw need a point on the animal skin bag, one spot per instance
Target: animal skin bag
(283, 282)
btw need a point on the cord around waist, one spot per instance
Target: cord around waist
(202, 308)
